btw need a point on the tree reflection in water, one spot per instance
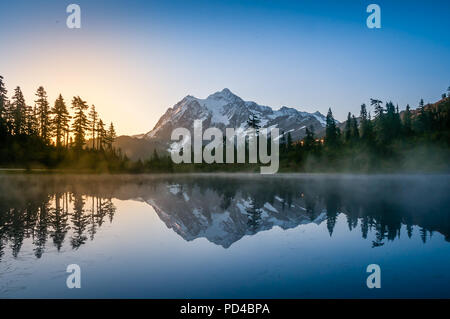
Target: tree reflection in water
(56, 208)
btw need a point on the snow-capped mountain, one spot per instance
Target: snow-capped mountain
(225, 109)
(221, 208)
(193, 213)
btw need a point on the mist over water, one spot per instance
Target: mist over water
(224, 236)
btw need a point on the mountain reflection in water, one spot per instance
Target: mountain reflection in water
(54, 209)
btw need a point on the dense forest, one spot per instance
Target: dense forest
(50, 137)
(412, 140)
(392, 141)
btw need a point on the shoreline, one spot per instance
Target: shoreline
(39, 171)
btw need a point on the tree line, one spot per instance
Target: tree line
(52, 135)
(59, 216)
(18, 118)
(390, 141)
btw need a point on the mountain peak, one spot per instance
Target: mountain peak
(224, 109)
(225, 94)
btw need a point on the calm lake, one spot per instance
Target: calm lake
(224, 236)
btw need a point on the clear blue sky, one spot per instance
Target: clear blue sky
(134, 59)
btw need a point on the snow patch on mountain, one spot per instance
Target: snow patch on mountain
(224, 109)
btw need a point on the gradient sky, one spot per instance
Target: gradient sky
(134, 59)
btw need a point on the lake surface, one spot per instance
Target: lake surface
(222, 236)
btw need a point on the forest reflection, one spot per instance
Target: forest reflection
(52, 217)
(57, 209)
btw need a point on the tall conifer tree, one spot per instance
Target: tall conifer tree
(17, 112)
(93, 117)
(331, 131)
(43, 110)
(80, 122)
(60, 120)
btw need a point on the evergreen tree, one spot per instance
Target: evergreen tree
(381, 131)
(354, 128)
(3, 97)
(392, 123)
(331, 131)
(110, 136)
(366, 125)
(3, 107)
(17, 112)
(93, 115)
(308, 141)
(253, 122)
(289, 142)
(101, 134)
(60, 120)
(378, 107)
(363, 113)
(80, 122)
(254, 217)
(43, 112)
(32, 125)
(423, 119)
(66, 130)
(407, 121)
(348, 128)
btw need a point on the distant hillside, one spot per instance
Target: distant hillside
(137, 148)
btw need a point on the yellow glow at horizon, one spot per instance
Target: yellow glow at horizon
(122, 92)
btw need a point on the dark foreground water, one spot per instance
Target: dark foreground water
(224, 237)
